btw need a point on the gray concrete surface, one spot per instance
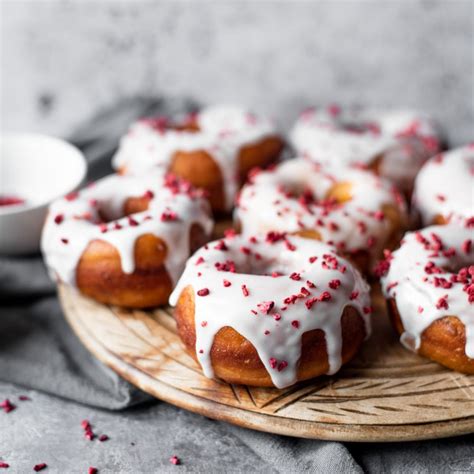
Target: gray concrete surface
(48, 430)
(142, 439)
(61, 60)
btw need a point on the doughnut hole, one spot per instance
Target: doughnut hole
(340, 192)
(308, 234)
(439, 220)
(443, 341)
(235, 360)
(99, 272)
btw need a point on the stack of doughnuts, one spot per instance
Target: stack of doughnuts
(213, 149)
(281, 297)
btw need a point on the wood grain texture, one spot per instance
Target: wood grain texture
(385, 394)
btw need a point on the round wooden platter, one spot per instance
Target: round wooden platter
(385, 394)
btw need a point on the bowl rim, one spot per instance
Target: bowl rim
(23, 208)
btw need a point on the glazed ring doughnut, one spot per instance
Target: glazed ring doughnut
(393, 144)
(125, 240)
(444, 187)
(429, 285)
(272, 310)
(358, 212)
(213, 149)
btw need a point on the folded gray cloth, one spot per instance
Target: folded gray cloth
(39, 351)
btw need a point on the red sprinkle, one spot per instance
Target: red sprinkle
(149, 194)
(367, 309)
(221, 245)
(59, 218)
(295, 276)
(227, 283)
(420, 309)
(175, 460)
(442, 303)
(40, 467)
(65, 241)
(132, 221)
(245, 291)
(382, 268)
(467, 246)
(24, 398)
(282, 365)
(72, 196)
(273, 362)
(325, 296)
(354, 295)
(7, 406)
(309, 303)
(295, 324)
(203, 292)
(200, 260)
(4, 465)
(93, 470)
(334, 284)
(229, 233)
(103, 437)
(265, 306)
(168, 216)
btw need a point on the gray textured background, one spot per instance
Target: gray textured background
(61, 61)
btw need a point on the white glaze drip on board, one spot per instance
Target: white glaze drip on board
(276, 341)
(73, 222)
(358, 224)
(223, 131)
(352, 135)
(417, 293)
(445, 186)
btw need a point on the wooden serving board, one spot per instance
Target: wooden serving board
(385, 394)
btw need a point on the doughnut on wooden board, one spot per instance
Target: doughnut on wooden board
(385, 394)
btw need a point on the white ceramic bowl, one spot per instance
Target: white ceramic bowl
(38, 169)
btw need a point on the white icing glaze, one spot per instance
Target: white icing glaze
(419, 286)
(223, 131)
(276, 340)
(64, 242)
(358, 224)
(405, 138)
(445, 186)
